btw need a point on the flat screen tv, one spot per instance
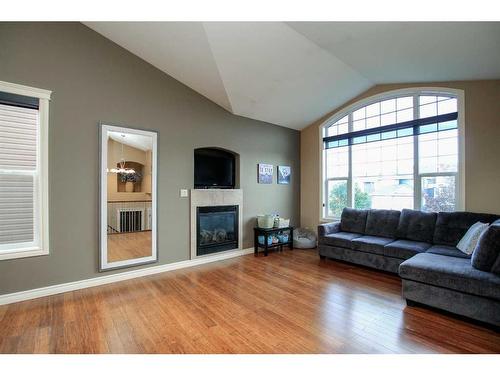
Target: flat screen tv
(214, 169)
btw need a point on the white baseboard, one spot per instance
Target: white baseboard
(108, 279)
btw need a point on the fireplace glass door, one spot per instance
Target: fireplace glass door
(217, 229)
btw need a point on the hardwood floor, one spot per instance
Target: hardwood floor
(289, 302)
(123, 246)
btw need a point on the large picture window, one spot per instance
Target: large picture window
(400, 151)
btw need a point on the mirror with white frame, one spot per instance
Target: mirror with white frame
(128, 186)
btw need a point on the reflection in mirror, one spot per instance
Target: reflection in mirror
(128, 197)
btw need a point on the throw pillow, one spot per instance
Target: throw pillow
(471, 238)
(487, 250)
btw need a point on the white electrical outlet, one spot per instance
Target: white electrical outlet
(184, 193)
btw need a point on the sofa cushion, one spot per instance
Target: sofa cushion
(451, 273)
(353, 220)
(416, 225)
(382, 223)
(339, 239)
(487, 249)
(371, 244)
(450, 251)
(451, 226)
(404, 249)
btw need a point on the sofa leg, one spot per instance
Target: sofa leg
(411, 303)
(322, 257)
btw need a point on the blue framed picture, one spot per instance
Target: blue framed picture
(284, 174)
(265, 174)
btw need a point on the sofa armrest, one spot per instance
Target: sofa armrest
(328, 228)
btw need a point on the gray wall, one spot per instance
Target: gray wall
(94, 80)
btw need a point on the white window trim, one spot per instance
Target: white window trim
(42, 193)
(460, 180)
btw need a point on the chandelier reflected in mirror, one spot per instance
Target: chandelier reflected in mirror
(121, 164)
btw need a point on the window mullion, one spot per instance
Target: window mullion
(350, 185)
(417, 183)
(325, 180)
(325, 198)
(438, 174)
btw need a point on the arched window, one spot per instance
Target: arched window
(394, 151)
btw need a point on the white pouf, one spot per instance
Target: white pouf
(304, 238)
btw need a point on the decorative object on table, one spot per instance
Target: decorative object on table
(265, 173)
(284, 174)
(280, 222)
(265, 221)
(304, 239)
(272, 238)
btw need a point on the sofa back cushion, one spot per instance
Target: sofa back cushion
(416, 225)
(382, 223)
(353, 220)
(451, 226)
(486, 255)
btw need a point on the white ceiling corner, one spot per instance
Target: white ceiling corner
(274, 74)
(291, 74)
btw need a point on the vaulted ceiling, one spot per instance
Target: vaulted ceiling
(291, 74)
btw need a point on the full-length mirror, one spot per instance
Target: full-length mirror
(128, 197)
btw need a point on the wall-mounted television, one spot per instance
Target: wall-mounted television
(214, 169)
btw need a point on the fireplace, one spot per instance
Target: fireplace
(216, 229)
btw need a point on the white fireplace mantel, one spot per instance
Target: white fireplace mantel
(215, 197)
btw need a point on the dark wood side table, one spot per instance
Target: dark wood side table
(267, 233)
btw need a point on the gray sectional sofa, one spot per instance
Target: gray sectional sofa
(421, 248)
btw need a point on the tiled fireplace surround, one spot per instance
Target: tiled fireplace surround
(215, 197)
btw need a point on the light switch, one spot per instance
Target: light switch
(184, 193)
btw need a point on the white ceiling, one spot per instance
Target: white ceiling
(291, 74)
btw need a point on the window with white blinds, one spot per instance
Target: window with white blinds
(23, 175)
(18, 166)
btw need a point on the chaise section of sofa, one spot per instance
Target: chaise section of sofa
(452, 284)
(444, 277)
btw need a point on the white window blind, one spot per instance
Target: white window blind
(19, 176)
